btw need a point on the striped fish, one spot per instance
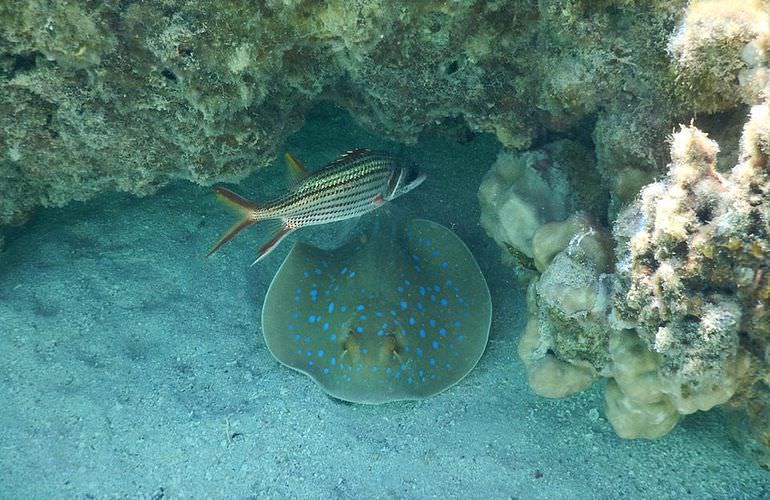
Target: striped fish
(354, 184)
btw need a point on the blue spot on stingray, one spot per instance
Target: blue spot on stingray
(343, 270)
(435, 253)
(360, 307)
(331, 307)
(407, 282)
(411, 321)
(417, 268)
(379, 314)
(388, 370)
(296, 298)
(419, 351)
(400, 289)
(461, 337)
(359, 329)
(333, 337)
(422, 333)
(326, 327)
(449, 283)
(420, 307)
(290, 327)
(295, 315)
(333, 361)
(416, 258)
(409, 380)
(434, 344)
(320, 353)
(344, 308)
(432, 361)
(311, 318)
(444, 264)
(443, 302)
(364, 350)
(326, 371)
(306, 274)
(442, 332)
(324, 263)
(380, 333)
(297, 337)
(309, 353)
(456, 323)
(436, 288)
(427, 242)
(432, 298)
(432, 323)
(352, 274)
(422, 291)
(403, 304)
(317, 271)
(363, 317)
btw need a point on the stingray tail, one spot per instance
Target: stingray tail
(248, 210)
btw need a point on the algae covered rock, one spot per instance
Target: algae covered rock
(129, 97)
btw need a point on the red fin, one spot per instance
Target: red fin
(268, 247)
(243, 206)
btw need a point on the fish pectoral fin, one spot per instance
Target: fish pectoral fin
(243, 206)
(282, 232)
(297, 171)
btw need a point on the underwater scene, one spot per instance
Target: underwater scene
(385, 249)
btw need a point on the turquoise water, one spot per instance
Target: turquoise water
(134, 367)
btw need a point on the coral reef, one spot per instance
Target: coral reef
(691, 271)
(128, 97)
(719, 53)
(676, 317)
(564, 344)
(680, 320)
(524, 191)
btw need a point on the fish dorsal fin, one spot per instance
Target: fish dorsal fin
(352, 155)
(297, 171)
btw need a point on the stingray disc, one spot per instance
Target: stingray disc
(399, 314)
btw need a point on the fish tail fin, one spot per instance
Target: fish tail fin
(246, 208)
(281, 232)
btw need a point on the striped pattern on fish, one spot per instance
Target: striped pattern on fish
(356, 183)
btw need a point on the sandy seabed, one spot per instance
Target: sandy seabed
(133, 367)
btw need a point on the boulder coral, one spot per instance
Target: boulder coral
(523, 192)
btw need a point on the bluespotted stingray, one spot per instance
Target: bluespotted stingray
(398, 314)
